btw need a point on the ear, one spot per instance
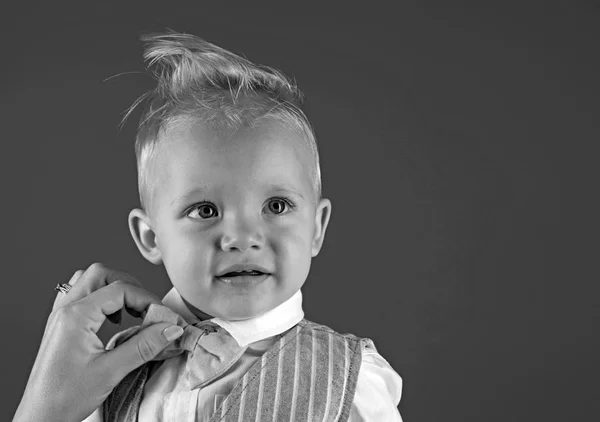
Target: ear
(322, 216)
(144, 236)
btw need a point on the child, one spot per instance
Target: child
(223, 141)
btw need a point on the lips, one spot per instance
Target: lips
(245, 269)
(243, 279)
(242, 273)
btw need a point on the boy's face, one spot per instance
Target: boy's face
(222, 199)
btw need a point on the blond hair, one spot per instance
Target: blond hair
(199, 80)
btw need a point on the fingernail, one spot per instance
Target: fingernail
(173, 332)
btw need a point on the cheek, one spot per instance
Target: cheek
(187, 258)
(292, 248)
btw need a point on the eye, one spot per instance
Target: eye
(278, 205)
(203, 210)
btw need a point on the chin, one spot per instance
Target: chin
(239, 316)
(243, 312)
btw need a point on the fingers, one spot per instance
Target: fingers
(112, 298)
(75, 277)
(94, 278)
(60, 297)
(141, 348)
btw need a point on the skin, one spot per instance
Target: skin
(73, 373)
(238, 217)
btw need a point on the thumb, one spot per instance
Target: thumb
(142, 347)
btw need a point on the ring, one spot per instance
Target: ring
(64, 288)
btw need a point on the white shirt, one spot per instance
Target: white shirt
(166, 398)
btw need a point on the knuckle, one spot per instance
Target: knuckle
(64, 316)
(61, 313)
(120, 283)
(76, 310)
(145, 349)
(131, 279)
(97, 267)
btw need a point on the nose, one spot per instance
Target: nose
(241, 234)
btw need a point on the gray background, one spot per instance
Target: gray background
(459, 149)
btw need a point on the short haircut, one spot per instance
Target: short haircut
(199, 81)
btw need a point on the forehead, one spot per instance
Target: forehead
(194, 157)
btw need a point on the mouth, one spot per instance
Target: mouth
(243, 278)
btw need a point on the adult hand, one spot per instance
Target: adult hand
(73, 373)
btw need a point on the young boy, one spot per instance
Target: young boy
(231, 204)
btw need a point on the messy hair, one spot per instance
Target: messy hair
(199, 81)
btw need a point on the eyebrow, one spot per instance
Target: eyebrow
(274, 186)
(203, 189)
(186, 196)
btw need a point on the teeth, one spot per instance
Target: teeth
(244, 272)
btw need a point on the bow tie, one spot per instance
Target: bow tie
(210, 349)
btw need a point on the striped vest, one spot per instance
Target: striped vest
(309, 374)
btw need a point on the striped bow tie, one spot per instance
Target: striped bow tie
(210, 349)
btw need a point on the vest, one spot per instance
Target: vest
(309, 374)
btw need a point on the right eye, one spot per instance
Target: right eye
(203, 211)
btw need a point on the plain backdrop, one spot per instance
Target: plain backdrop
(458, 147)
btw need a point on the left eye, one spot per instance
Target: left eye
(277, 206)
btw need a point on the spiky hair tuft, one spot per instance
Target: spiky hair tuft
(199, 80)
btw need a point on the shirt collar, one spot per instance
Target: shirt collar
(271, 323)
